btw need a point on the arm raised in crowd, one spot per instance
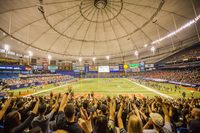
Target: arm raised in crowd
(85, 121)
(3, 110)
(51, 99)
(112, 109)
(136, 110)
(27, 122)
(166, 113)
(63, 102)
(55, 107)
(119, 117)
(35, 109)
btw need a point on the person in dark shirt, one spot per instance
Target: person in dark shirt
(66, 117)
(13, 123)
(43, 121)
(194, 125)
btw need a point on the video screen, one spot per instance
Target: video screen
(103, 69)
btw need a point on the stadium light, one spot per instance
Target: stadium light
(107, 57)
(145, 45)
(197, 18)
(188, 24)
(49, 57)
(153, 49)
(7, 48)
(30, 53)
(4, 33)
(94, 58)
(80, 59)
(136, 53)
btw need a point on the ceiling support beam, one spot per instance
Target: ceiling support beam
(78, 29)
(129, 36)
(84, 37)
(54, 42)
(114, 32)
(40, 19)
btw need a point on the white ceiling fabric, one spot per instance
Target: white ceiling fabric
(77, 28)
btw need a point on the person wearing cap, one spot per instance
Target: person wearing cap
(160, 125)
(194, 124)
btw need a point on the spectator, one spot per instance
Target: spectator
(194, 125)
(13, 124)
(67, 110)
(43, 121)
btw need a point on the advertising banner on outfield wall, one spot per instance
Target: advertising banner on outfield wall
(149, 65)
(121, 67)
(93, 68)
(86, 68)
(142, 66)
(114, 68)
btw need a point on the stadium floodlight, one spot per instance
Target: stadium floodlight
(6, 47)
(136, 53)
(197, 18)
(153, 49)
(29, 57)
(94, 58)
(145, 45)
(188, 24)
(80, 59)
(30, 53)
(4, 33)
(49, 57)
(107, 57)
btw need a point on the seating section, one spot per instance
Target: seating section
(185, 76)
(189, 54)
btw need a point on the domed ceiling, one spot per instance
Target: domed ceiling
(70, 29)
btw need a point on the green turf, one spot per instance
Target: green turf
(105, 87)
(110, 87)
(177, 93)
(29, 89)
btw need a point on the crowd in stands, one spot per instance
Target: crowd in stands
(39, 75)
(192, 53)
(8, 61)
(40, 79)
(69, 114)
(185, 76)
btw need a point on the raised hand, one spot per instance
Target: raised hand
(85, 121)
(35, 109)
(119, 116)
(112, 109)
(3, 110)
(63, 102)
